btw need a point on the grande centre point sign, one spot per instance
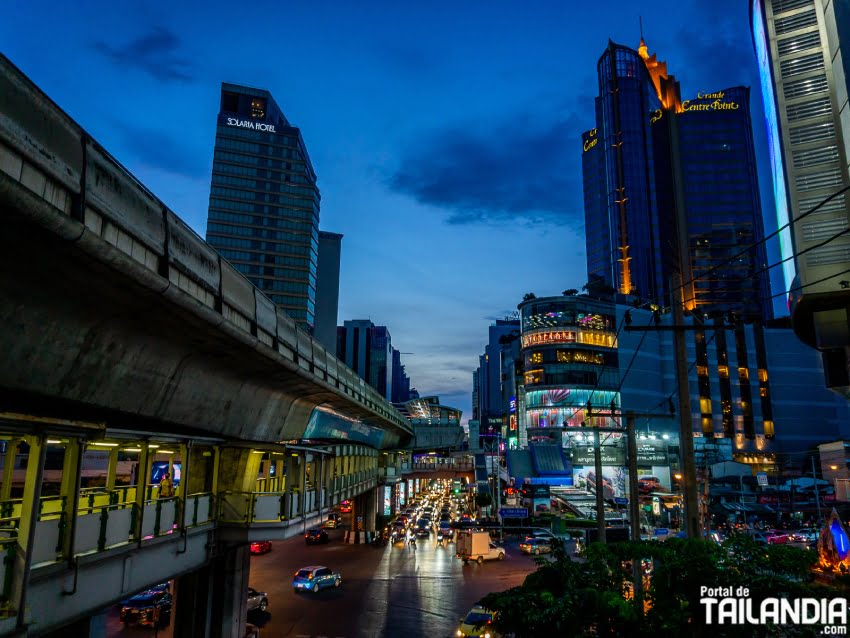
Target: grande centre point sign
(710, 102)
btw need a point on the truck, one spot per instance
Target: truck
(477, 546)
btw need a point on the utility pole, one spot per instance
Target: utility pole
(634, 498)
(817, 490)
(634, 505)
(600, 503)
(686, 430)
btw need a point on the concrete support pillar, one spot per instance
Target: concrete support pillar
(230, 582)
(143, 473)
(70, 492)
(93, 626)
(183, 489)
(30, 508)
(302, 461)
(210, 602)
(193, 603)
(112, 469)
(8, 469)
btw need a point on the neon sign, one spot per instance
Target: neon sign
(656, 115)
(255, 126)
(552, 336)
(717, 103)
(591, 140)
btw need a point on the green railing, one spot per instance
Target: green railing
(104, 526)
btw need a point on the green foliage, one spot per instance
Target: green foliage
(483, 499)
(529, 295)
(592, 596)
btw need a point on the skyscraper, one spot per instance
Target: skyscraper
(264, 203)
(367, 349)
(671, 186)
(804, 77)
(327, 289)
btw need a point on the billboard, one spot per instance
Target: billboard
(613, 480)
(584, 455)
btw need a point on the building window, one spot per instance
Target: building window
(768, 429)
(762, 375)
(723, 372)
(705, 406)
(258, 107)
(229, 102)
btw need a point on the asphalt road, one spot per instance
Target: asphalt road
(390, 591)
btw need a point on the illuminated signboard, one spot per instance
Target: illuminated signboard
(512, 404)
(254, 126)
(594, 337)
(710, 102)
(552, 336)
(513, 422)
(656, 115)
(589, 140)
(760, 38)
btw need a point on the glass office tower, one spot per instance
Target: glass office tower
(716, 171)
(627, 97)
(680, 187)
(264, 203)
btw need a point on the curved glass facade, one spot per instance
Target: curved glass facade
(569, 358)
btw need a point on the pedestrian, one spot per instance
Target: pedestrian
(166, 486)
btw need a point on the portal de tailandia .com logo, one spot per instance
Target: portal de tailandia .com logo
(733, 606)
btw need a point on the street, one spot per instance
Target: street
(386, 591)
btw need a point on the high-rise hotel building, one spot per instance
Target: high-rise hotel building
(670, 185)
(804, 77)
(264, 203)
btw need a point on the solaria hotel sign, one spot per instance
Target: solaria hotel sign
(254, 126)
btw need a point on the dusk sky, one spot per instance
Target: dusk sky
(445, 135)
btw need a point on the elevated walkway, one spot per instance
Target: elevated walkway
(104, 289)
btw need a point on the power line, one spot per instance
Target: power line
(811, 283)
(635, 353)
(765, 239)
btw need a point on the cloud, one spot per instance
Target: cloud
(156, 53)
(525, 168)
(703, 56)
(155, 147)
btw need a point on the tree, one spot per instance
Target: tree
(568, 598)
(529, 295)
(483, 499)
(570, 292)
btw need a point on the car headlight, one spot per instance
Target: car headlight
(459, 633)
(487, 635)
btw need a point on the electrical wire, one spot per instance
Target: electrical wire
(765, 239)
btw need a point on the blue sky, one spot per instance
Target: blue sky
(445, 134)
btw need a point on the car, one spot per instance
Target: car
(261, 547)
(334, 521)
(775, 537)
(151, 608)
(423, 532)
(539, 532)
(257, 600)
(477, 623)
(805, 535)
(345, 507)
(314, 578)
(445, 534)
(316, 535)
(535, 546)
